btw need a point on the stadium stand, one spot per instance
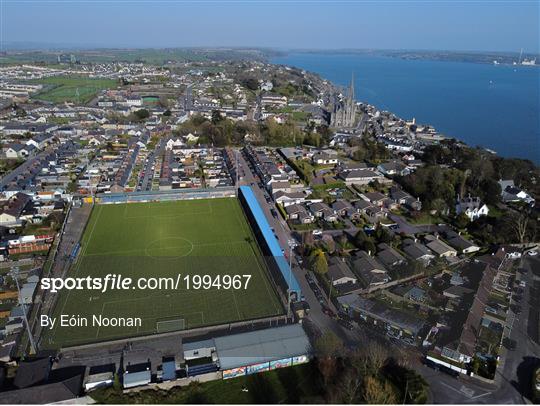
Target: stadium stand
(268, 242)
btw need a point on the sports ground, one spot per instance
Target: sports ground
(164, 239)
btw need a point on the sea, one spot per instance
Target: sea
(492, 106)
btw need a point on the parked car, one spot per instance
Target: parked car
(274, 212)
(509, 343)
(326, 310)
(317, 232)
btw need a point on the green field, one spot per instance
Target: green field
(164, 239)
(61, 89)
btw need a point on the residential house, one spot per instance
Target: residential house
(371, 271)
(19, 151)
(339, 272)
(417, 251)
(405, 199)
(375, 198)
(472, 207)
(511, 193)
(40, 141)
(460, 243)
(289, 198)
(440, 248)
(326, 157)
(393, 168)
(360, 176)
(345, 209)
(321, 210)
(12, 210)
(388, 256)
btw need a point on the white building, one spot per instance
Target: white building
(472, 207)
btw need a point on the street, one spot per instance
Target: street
(322, 321)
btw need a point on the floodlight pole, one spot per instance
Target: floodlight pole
(30, 337)
(291, 246)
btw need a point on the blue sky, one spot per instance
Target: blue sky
(436, 24)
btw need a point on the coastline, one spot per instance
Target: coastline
(451, 120)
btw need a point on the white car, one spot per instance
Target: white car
(317, 232)
(533, 253)
(522, 284)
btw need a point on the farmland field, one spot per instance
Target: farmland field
(164, 239)
(61, 89)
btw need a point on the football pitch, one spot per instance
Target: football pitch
(164, 239)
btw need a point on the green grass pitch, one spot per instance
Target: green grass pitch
(163, 239)
(64, 88)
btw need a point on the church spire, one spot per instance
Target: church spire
(351, 89)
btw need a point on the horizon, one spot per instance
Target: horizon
(463, 26)
(58, 47)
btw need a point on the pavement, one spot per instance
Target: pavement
(317, 318)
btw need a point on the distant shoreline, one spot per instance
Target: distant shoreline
(502, 58)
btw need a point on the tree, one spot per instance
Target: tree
(327, 349)
(216, 117)
(490, 191)
(250, 82)
(383, 235)
(359, 154)
(318, 262)
(370, 359)
(350, 386)
(461, 221)
(377, 392)
(518, 223)
(142, 114)
(117, 386)
(369, 246)
(360, 238)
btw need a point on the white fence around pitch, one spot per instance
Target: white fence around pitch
(164, 195)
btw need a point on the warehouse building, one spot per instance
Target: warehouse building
(252, 352)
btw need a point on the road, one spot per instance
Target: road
(322, 321)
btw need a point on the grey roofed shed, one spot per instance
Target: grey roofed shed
(260, 346)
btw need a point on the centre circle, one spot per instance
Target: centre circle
(169, 248)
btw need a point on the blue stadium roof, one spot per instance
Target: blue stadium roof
(271, 240)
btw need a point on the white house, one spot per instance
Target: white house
(472, 207)
(15, 151)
